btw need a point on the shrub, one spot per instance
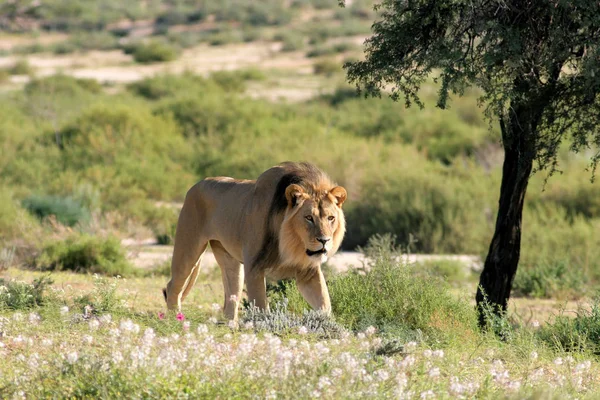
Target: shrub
(428, 210)
(154, 51)
(66, 210)
(388, 296)
(62, 85)
(451, 271)
(161, 86)
(16, 295)
(4, 75)
(104, 298)
(290, 41)
(581, 333)
(15, 222)
(326, 67)
(553, 279)
(21, 67)
(84, 253)
(279, 320)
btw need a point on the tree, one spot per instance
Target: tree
(537, 63)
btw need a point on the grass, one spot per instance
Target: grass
(104, 338)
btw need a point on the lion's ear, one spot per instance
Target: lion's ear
(340, 195)
(294, 194)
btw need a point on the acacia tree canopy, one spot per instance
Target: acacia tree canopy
(537, 63)
(541, 53)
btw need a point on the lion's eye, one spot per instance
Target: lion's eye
(309, 218)
(331, 218)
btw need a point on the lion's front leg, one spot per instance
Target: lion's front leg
(256, 287)
(314, 290)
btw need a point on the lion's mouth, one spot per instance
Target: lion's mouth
(311, 253)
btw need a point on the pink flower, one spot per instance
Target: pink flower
(180, 317)
(161, 315)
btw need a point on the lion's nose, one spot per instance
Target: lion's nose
(323, 240)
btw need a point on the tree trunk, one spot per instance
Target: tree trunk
(503, 256)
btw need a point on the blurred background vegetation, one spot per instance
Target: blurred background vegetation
(113, 157)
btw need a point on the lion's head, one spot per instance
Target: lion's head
(313, 226)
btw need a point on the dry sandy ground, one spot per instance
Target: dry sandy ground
(115, 67)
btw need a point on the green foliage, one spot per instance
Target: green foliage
(21, 67)
(104, 299)
(388, 296)
(549, 280)
(67, 210)
(280, 321)
(581, 333)
(161, 86)
(451, 271)
(326, 67)
(15, 295)
(319, 51)
(290, 41)
(423, 207)
(153, 51)
(85, 253)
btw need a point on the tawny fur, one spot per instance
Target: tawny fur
(283, 225)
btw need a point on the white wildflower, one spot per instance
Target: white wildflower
(212, 320)
(434, 372)
(34, 318)
(410, 346)
(370, 330)
(215, 307)
(202, 329)
(302, 330)
(64, 310)
(249, 325)
(94, 324)
(232, 324)
(438, 353)
(427, 394)
(381, 375)
(72, 357)
(186, 325)
(427, 353)
(533, 355)
(558, 361)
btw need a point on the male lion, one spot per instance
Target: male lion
(283, 225)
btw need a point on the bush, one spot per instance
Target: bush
(549, 280)
(21, 67)
(581, 333)
(279, 320)
(161, 86)
(424, 205)
(390, 297)
(85, 253)
(16, 295)
(67, 211)
(15, 222)
(326, 67)
(154, 51)
(62, 85)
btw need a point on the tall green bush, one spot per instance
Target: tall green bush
(85, 253)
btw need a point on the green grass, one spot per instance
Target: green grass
(105, 338)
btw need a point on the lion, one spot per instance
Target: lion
(285, 224)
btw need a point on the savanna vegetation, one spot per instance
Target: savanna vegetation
(86, 165)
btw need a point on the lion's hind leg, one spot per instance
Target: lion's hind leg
(233, 279)
(190, 244)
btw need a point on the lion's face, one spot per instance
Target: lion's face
(314, 225)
